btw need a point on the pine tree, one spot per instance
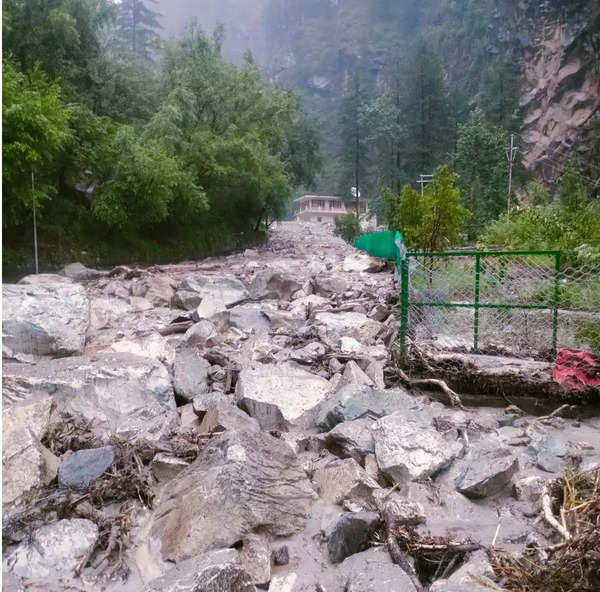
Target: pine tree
(138, 27)
(353, 135)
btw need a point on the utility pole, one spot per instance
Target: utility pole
(423, 180)
(511, 154)
(35, 245)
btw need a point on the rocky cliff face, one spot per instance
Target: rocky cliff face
(561, 90)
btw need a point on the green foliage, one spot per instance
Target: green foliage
(348, 227)
(481, 162)
(500, 93)
(589, 332)
(35, 127)
(575, 232)
(144, 185)
(432, 221)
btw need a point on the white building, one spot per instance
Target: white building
(324, 208)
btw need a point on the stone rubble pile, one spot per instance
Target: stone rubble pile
(275, 359)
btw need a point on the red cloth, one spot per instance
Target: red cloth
(576, 369)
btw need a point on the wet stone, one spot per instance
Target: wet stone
(81, 468)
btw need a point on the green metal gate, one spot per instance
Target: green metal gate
(508, 298)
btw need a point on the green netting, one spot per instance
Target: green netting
(379, 244)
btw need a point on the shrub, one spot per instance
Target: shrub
(348, 227)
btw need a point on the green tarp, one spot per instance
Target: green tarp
(380, 244)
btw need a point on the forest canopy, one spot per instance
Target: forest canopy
(137, 147)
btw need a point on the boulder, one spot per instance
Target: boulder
(54, 550)
(356, 401)
(153, 346)
(327, 285)
(358, 262)
(379, 312)
(47, 318)
(310, 353)
(343, 479)
(186, 299)
(223, 415)
(107, 312)
(201, 333)
(408, 447)
(218, 571)
(79, 469)
(157, 289)
(255, 556)
(202, 402)
(529, 489)
(214, 310)
(354, 375)
(190, 374)
(375, 372)
(165, 466)
(79, 272)
(401, 510)
(486, 472)
(278, 395)
(351, 439)
(241, 482)
(348, 324)
(274, 284)
(373, 571)
(249, 317)
(349, 534)
(26, 464)
(224, 289)
(93, 388)
(475, 575)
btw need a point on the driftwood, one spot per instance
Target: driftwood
(180, 327)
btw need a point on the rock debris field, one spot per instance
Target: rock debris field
(234, 425)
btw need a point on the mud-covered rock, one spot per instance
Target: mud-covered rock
(278, 395)
(349, 534)
(408, 447)
(218, 571)
(487, 472)
(26, 464)
(54, 549)
(240, 483)
(44, 318)
(93, 388)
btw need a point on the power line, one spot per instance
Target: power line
(511, 154)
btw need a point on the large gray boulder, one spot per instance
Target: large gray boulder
(190, 374)
(241, 482)
(226, 289)
(347, 324)
(408, 447)
(215, 571)
(118, 393)
(373, 571)
(358, 401)
(44, 318)
(26, 464)
(278, 395)
(338, 480)
(349, 534)
(274, 284)
(54, 550)
(351, 439)
(249, 317)
(79, 272)
(329, 285)
(487, 472)
(157, 289)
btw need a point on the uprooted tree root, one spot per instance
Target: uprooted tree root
(128, 484)
(573, 565)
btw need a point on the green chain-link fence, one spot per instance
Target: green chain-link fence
(507, 303)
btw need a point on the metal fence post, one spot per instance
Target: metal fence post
(556, 301)
(476, 316)
(404, 304)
